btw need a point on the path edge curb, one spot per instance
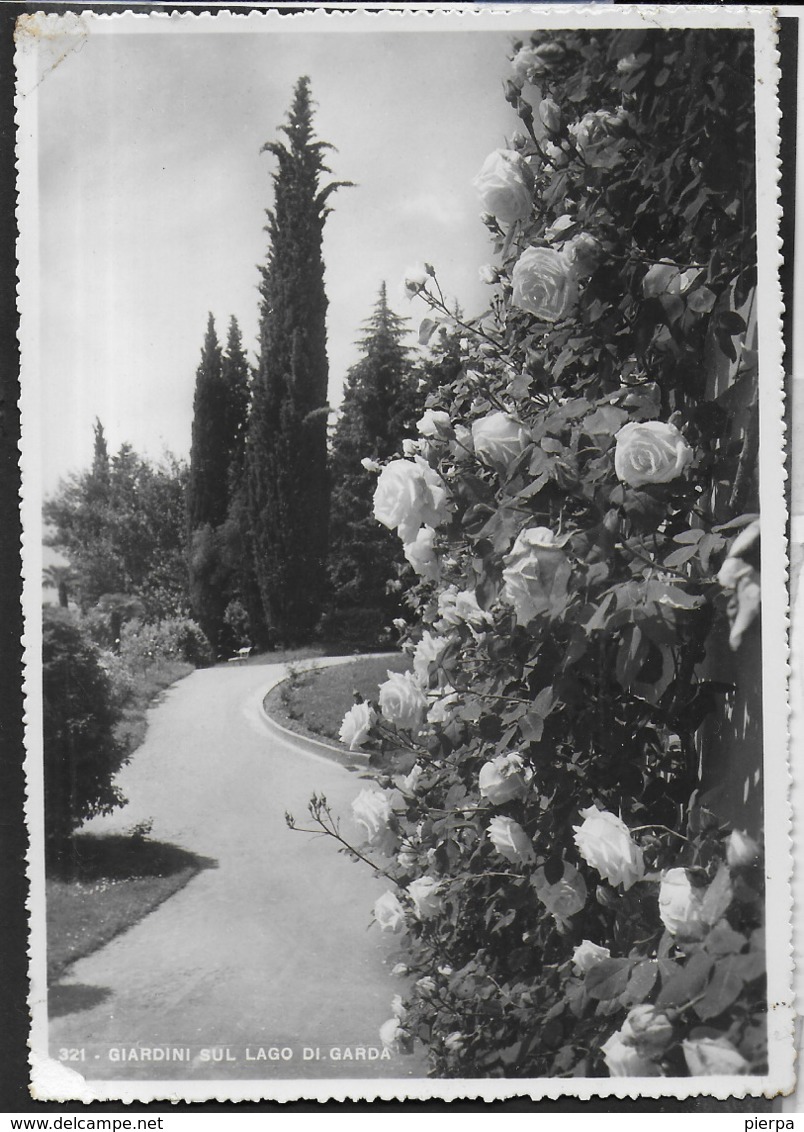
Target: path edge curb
(357, 760)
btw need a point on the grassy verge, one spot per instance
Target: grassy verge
(144, 691)
(314, 703)
(115, 881)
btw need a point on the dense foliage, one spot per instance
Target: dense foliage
(379, 410)
(81, 752)
(288, 494)
(220, 411)
(121, 525)
(581, 508)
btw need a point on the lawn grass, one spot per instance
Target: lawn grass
(114, 881)
(314, 703)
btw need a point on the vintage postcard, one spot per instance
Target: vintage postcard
(404, 557)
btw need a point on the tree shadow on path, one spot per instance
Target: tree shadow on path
(107, 884)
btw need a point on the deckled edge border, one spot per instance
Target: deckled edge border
(50, 1080)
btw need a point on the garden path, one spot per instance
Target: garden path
(270, 947)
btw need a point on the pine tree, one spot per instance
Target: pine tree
(287, 450)
(380, 407)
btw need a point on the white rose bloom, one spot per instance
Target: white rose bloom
(399, 970)
(454, 1041)
(531, 62)
(564, 898)
(544, 284)
(650, 452)
(424, 893)
(409, 494)
(356, 725)
(488, 274)
(587, 955)
(550, 114)
(648, 1029)
(372, 810)
(402, 700)
(681, 906)
(398, 1008)
(392, 1035)
(428, 652)
(713, 1057)
(415, 280)
(623, 1060)
(426, 985)
(584, 252)
(529, 571)
(595, 134)
(504, 186)
(504, 778)
(457, 607)
(604, 841)
(434, 423)
(421, 554)
(370, 465)
(499, 439)
(389, 913)
(510, 840)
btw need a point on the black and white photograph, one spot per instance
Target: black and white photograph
(404, 554)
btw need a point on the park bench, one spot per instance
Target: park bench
(241, 656)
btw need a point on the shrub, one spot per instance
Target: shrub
(175, 638)
(81, 752)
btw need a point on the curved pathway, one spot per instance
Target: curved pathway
(270, 949)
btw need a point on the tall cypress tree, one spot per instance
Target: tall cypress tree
(236, 542)
(380, 407)
(287, 450)
(216, 463)
(209, 452)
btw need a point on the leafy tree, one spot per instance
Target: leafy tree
(380, 406)
(287, 450)
(121, 527)
(81, 753)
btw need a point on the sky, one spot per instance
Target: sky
(152, 191)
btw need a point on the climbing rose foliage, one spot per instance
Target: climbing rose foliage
(570, 906)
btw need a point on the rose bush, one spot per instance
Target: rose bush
(583, 494)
